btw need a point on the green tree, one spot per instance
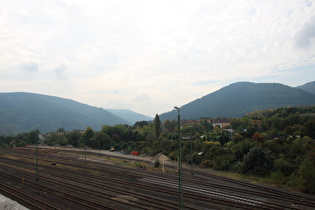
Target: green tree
(32, 137)
(307, 176)
(224, 138)
(207, 125)
(60, 130)
(217, 130)
(238, 138)
(100, 140)
(157, 126)
(309, 128)
(258, 137)
(74, 138)
(87, 135)
(170, 126)
(239, 150)
(283, 166)
(140, 124)
(258, 161)
(56, 138)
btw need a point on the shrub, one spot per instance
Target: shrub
(283, 166)
(258, 137)
(274, 145)
(293, 181)
(20, 144)
(222, 162)
(277, 178)
(238, 138)
(238, 167)
(258, 161)
(239, 150)
(307, 176)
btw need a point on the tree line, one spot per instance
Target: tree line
(278, 143)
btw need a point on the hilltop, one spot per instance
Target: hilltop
(22, 112)
(238, 99)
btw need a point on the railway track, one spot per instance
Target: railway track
(62, 179)
(100, 189)
(263, 191)
(150, 190)
(25, 199)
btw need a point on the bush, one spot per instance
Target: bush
(239, 150)
(20, 144)
(277, 178)
(238, 167)
(258, 161)
(238, 138)
(274, 145)
(283, 166)
(293, 181)
(307, 176)
(222, 162)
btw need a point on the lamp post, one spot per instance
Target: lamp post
(99, 145)
(36, 155)
(180, 181)
(191, 157)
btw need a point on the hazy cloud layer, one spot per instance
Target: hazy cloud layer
(306, 37)
(30, 67)
(149, 56)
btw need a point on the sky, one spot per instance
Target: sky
(151, 55)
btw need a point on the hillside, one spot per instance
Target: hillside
(22, 112)
(129, 115)
(310, 87)
(240, 98)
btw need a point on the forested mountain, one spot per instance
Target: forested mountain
(129, 115)
(310, 87)
(22, 112)
(240, 98)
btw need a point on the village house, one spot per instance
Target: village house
(221, 123)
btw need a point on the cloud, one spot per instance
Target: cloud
(150, 55)
(59, 71)
(142, 97)
(30, 67)
(306, 36)
(201, 83)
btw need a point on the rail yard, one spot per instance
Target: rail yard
(63, 179)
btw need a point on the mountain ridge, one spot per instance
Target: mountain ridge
(237, 99)
(129, 115)
(310, 87)
(23, 111)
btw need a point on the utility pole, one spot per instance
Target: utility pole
(191, 157)
(99, 145)
(36, 154)
(84, 149)
(180, 172)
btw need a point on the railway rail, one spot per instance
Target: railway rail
(138, 189)
(25, 199)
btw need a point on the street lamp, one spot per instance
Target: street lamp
(191, 157)
(180, 182)
(36, 154)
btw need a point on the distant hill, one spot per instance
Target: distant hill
(310, 87)
(23, 112)
(240, 98)
(130, 116)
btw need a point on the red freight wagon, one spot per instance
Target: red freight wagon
(135, 153)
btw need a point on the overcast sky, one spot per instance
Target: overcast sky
(149, 56)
